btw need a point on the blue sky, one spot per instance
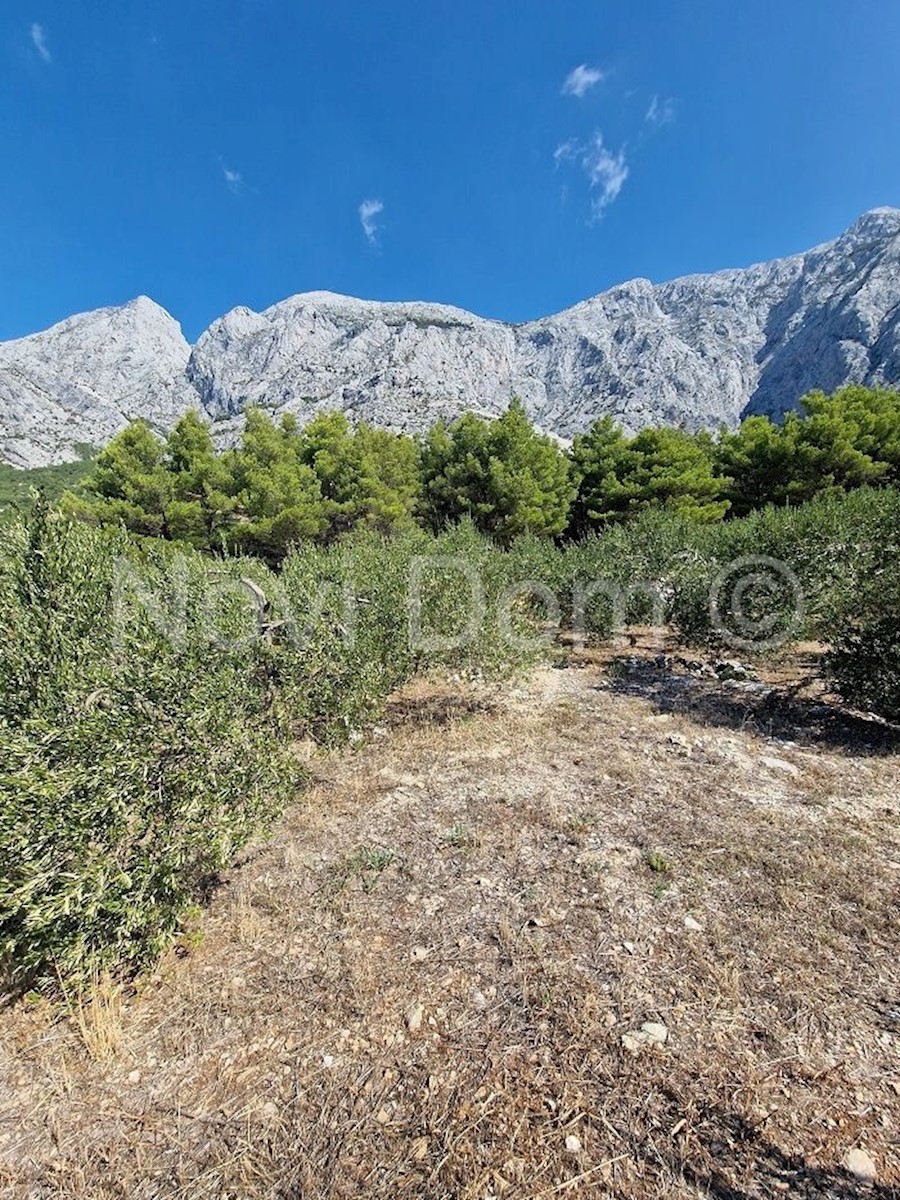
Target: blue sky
(509, 156)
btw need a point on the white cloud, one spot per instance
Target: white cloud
(39, 38)
(605, 172)
(580, 81)
(234, 179)
(660, 112)
(566, 151)
(368, 211)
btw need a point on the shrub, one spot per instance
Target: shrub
(137, 755)
(864, 662)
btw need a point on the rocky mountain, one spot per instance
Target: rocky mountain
(83, 380)
(700, 351)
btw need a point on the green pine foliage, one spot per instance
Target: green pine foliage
(836, 443)
(503, 475)
(285, 486)
(658, 468)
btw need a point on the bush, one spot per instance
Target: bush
(137, 755)
(352, 642)
(864, 662)
(149, 700)
(864, 665)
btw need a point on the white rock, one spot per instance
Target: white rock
(703, 351)
(655, 1032)
(414, 1018)
(692, 925)
(573, 1144)
(650, 1035)
(82, 381)
(780, 765)
(860, 1164)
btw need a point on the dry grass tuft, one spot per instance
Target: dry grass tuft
(96, 1012)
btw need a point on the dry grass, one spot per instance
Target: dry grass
(420, 986)
(96, 1012)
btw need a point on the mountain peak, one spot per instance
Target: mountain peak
(877, 222)
(701, 351)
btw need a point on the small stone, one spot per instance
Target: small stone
(415, 1017)
(419, 953)
(573, 1144)
(629, 947)
(382, 1116)
(327, 1060)
(860, 1164)
(650, 1035)
(780, 765)
(270, 1110)
(134, 1077)
(692, 925)
(656, 1032)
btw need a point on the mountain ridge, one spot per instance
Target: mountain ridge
(701, 351)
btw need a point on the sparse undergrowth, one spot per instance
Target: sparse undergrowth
(456, 1020)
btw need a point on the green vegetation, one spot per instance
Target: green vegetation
(839, 442)
(18, 487)
(285, 485)
(169, 631)
(865, 658)
(150, 697)
(659, 468)
(503, 474)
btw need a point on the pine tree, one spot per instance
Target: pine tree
(129, 484)
(277, 499)
(658, 468)
(506, 476)
(200, 507)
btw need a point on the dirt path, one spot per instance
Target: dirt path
(595, 936)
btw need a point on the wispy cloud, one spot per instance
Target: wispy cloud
(233, 179)
(566, 151)
(368, 211)
(39, 38)
(660, 112)
(605, 171)
(580, 81)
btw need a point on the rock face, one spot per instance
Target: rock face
(83, 380)
(701, 351)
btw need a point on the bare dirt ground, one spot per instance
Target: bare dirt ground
(623, 930)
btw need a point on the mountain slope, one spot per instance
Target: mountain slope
(700, 351)
(82, 380)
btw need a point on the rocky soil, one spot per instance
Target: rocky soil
(625, 929)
